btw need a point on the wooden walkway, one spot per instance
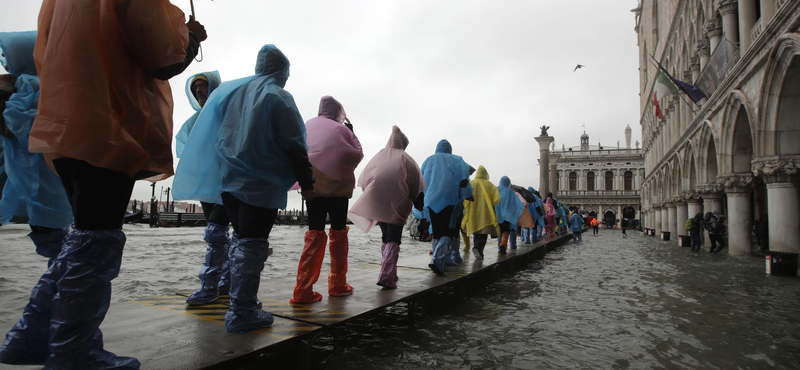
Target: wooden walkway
(164, 333)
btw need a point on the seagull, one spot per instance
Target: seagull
(579, 66)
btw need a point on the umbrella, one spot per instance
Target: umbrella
(526, 194)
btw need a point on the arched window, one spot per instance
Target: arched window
(609, 180)
(590, 181)
(628, 180)
(573, 181)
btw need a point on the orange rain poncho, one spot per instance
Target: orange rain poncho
(106, 108)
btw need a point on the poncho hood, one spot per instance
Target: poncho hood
(16, 52)
(397, 140)
(331, 109)
(271, 61)
(213, 80)
(482, 173)
(444, 147)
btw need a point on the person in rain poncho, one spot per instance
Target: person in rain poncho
(104, 120)
(33, 190)
(445, 175)
(214, 275)
(537, 211)
(576, 226)
(334, 152)
(508, 211)
(480, 219)
(392, 181)
(550, 213)
(524, 223)
(260, 152)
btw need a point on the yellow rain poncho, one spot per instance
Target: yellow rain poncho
(479, 214)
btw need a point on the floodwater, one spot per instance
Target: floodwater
(606, 303)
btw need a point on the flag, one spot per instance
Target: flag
(692, 91)
(662, 88)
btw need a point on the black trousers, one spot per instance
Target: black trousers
(98, 196)
(320, 208)
(390, 232)
(441, 223)
(505, 227)
(215, 213)
(595, 230)
(716, 238)
(249, 221)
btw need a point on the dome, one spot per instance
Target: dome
(585, 136)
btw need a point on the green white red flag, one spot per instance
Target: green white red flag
(662, 88)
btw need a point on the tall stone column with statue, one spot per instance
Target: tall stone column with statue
(544, 141)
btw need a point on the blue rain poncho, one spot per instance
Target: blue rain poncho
(537, 218)
(510, 208)
(576, 223)
(32, 189)
(443, 172)
(252, 123)
(3, 178)
(183, 134)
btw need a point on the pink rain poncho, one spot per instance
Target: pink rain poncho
(333, 150)
(391, 182)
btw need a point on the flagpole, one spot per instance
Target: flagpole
(679, 95)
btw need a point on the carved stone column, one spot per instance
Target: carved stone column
(730, 22)
(712, 195)
(694, 63)
(673, 220)
(738, 188)
(544, 163)
(703, 49)
(682, 214)
(665, 217)
(694, 204)
(767, 12)
(783, 202)
(713, 31)
(657, 219)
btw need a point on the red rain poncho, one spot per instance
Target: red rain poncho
(391, 181)
(106, 108)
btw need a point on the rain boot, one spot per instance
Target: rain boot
(82, 272)
(210, 272)
(308, 269)
(388, 275)
(337, 279)
(225, 279)
(439, 254)
(512, 238)
(246, 260)
(434, 243)
(503, 243)
(466, 243)
(48, 242)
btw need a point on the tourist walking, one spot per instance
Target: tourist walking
(595, 224)
(391, 182)
(576, 226)
(715, 224)
(624, 226)
(508, 212)
(480, 219)
(696, 232)
(334, 152)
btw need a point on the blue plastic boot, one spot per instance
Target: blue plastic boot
(48, 244)
(89, 260)
(247, 258)
(210, 272)
(439, 253)
(225, 279)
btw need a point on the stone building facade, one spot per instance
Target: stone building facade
(738, 150)
(604, 179)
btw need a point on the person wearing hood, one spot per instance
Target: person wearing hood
(576, 226)
(696, 232)
(538, 215)
(715, 224)
(508, 212)
(32, 189)
(102, 123)
(445, 175)
(334, 153)
(260, 153)
(480, 219)
(550, 213)
(214, 275)
(391, 182)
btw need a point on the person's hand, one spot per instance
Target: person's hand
(197, 29)
(348, 124)
(308, 194)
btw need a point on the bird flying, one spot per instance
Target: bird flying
(579, 66)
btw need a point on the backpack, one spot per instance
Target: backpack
(688, 225)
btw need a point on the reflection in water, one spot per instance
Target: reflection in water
(609, 303)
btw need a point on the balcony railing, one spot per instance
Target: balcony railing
(598, 193)
(589, 153)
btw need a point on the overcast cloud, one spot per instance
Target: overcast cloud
(482, 74)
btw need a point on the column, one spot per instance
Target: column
(767, 12)
(703, 50)
(673, 220)
(544, 163)
(657, 220)
(682, 215)
(554, 173)
(711, 202)
(783, 198)
(694, 206)
(665, 217)
(738, 188)
(713, 31)
(730, 23)
(747, 19)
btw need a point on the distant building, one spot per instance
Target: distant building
(603, 179)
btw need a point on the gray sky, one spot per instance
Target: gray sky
(482, 74)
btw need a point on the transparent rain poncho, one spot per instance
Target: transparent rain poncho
(32, 190)
(509, 209)
(443, 174)
(251, 124)
(183, 134)
(391, 182)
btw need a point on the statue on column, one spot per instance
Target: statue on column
(544, 131)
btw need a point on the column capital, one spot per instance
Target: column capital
(703, 47)
(778, 170)
(736, 183)
(554, 158)
(691, 197)
(709, 191)
(712, 28)
(726, 6)
(694, 63)
(544, 142)
(687, 74)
